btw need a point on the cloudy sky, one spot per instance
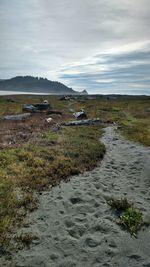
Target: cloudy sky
(102, 46)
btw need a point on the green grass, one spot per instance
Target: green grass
(130, 218)
(34, 166)
(132, 113)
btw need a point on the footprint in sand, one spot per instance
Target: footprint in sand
(77, 226)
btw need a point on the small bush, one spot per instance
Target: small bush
(132, 220)
(119, 204)
(130, 217)
(26, 239)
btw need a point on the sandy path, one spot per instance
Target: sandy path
(75, 224)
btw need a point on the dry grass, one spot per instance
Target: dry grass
(120, 204)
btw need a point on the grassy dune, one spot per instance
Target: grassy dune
(49, 156)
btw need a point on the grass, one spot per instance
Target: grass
(25, 239)
(44, 161)
(130, 217)
(119, 204)
(132, 220)
(132, 113)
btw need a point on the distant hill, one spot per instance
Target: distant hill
(36, 85)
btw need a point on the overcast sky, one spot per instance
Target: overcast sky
(102, 46)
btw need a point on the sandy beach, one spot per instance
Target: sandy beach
(76, 226)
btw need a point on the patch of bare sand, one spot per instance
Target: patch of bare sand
(76, 226)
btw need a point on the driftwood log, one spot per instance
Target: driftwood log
(83, 122)
(17, 117)
(39, 107)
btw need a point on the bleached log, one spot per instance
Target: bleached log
(83, 122)
(17, 117)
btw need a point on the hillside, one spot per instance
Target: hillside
(35, 84)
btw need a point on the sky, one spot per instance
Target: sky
(102, 46)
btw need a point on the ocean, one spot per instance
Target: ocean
(20, 93)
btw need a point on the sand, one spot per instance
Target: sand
(76, 226)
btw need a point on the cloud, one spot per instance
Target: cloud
(126, 71)
(77, 42)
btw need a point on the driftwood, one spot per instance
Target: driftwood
(83, 122)
(81, 115)
(17, 117)
(36, 107)
(52, 111)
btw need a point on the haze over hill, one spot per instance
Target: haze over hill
(36, 85)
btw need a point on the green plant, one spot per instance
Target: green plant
(119, 204)
(131, 219)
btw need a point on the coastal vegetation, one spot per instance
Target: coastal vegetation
(43, 161)
(45, 154)
(130, 217)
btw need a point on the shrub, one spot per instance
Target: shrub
(131, 219)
